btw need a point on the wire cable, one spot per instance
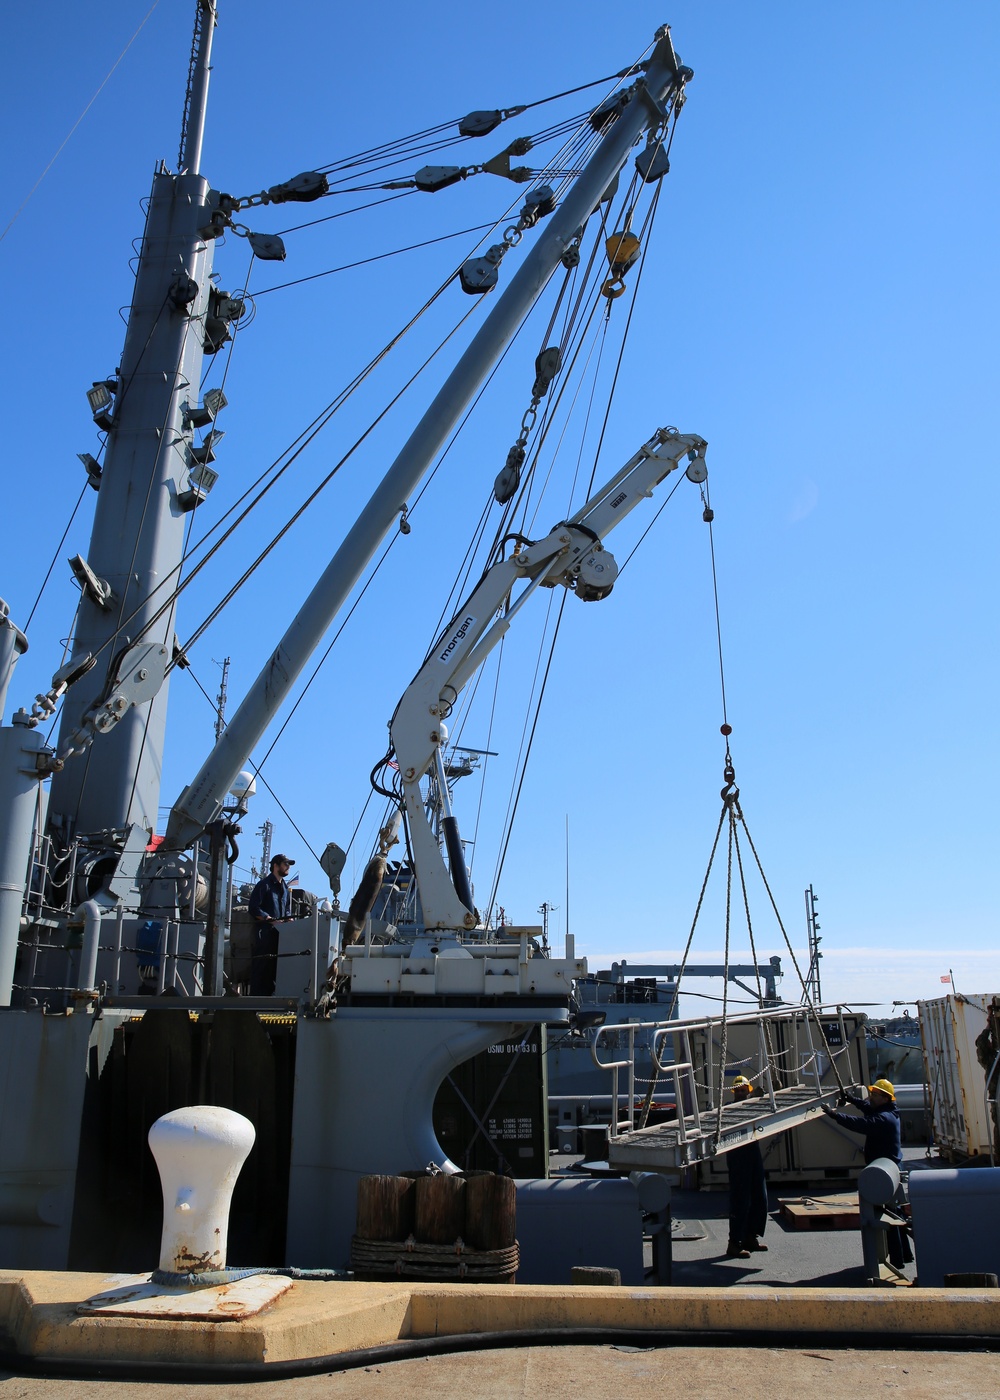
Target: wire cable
(66, 138)
(376, 257)
(55, 557)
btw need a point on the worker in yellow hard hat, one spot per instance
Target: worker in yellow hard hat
(879, 1121)
(747, 1189)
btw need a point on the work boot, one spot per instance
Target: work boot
(754, 1245)
(735, 1250)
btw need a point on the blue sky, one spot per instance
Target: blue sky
(819, 302)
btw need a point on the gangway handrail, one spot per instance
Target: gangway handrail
(801, 1069)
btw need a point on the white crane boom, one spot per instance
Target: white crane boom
(573, 555)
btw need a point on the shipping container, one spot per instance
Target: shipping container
(956, 1080)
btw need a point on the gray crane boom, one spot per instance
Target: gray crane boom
(201, 800)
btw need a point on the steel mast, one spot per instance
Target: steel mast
(145, 487)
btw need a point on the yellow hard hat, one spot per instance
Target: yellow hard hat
(741, 1082)
(884, 1087)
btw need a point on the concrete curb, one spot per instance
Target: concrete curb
(39, 1322)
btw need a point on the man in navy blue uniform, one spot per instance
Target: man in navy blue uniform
(879, 1121)
(747, 1189)
(270, 905)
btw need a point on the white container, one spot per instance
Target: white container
(955, 1078)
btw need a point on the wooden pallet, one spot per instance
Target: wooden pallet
(838, 1212)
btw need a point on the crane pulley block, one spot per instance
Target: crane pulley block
(547, 366)
(537, 203)
(300, 189)
(479, 274)
(622, 250)
(610, 110)
(653, 163)
(431, 178)
(479, 123)
(509, 477)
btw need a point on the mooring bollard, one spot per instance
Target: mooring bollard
(199, 1152)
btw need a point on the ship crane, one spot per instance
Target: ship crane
(571, 555)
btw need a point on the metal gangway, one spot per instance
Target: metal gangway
(797, 1058)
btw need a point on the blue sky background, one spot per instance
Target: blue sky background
(819, 302)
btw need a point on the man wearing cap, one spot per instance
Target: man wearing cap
(747, 1189)
(879, 1121)
(270, 905)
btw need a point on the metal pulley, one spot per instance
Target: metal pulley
(268, 247)
(431, 178)
(479, 123)
(697, 470)
(596, 575)
(653, 163)
(547, 366)
(622, 249)
(509, 477)
(610, 110)
(300, 189)
(479, 274)
(537, 203)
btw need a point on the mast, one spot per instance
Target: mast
(814, 940)
(139, 523)
(221, 698)
(201, 800)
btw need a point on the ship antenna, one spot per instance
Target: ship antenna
(196, 94)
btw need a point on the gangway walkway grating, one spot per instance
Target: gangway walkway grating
(682, 1144)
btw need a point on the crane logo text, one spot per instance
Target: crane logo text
(456, 638)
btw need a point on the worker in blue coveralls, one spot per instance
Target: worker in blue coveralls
(747, 1189)
(270, 905)
(879, 1122)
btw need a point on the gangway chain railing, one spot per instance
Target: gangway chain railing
(696, 1099)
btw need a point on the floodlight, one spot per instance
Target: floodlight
(98, 397)
(215, 401)
(93, 468)
(203, 477)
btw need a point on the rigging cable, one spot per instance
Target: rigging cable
(295, 448)
(342, 213)
(55, 557)
(404, 146)
(376, 257)
(524, 765)
(319, 665)
(79, 119)
(321, 487)
(545, 428)
(262, 778)
(733, 808)
(121, 399)
(130, 575)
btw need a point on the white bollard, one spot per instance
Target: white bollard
(199, 1152)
